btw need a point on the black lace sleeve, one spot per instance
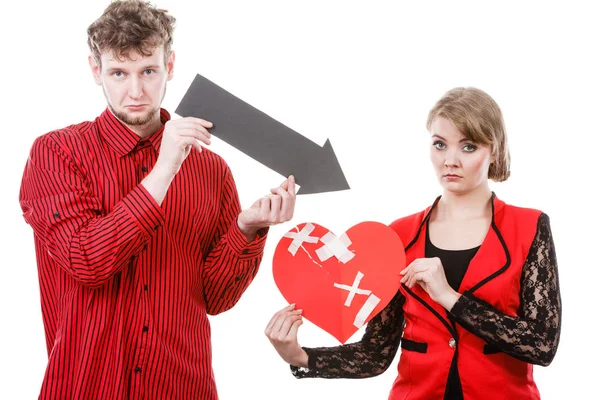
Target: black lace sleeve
(371, 356)
(532, 336)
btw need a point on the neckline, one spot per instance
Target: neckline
(446, 250)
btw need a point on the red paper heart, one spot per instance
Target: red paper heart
(309, 280)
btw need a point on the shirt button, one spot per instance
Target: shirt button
(146, 288)
(155, 227)
(145, 247)
(452, 343)
(56, 215)
(238, 278)
(245, 251)
(137, 370)
(144, 169)
(145, 329)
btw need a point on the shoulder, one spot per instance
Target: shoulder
(536, 220)
(65, 142)
(522, 224)
(516, 210)
(407, 226)
(521, 215)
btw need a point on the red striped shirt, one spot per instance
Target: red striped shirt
(126, 284)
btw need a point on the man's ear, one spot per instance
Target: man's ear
(170, 65)
(95, 67)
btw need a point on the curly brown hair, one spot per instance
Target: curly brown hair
(477, 116)
(131, 25)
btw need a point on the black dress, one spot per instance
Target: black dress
(532, 336)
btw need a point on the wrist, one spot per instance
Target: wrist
(249, 231)
(162, 173)
(301, 359)
(449, 299)
(157, 183)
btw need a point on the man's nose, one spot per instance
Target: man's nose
(136, 88)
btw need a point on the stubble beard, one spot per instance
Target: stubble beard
(136, 121)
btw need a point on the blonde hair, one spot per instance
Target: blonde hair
(477, 116)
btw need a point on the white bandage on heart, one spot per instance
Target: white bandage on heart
(335, 246)
(366, 310)
(353, 290)
(301, 237)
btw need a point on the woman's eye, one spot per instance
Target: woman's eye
(470, 148)
(439, 145)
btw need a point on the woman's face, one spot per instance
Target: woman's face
(460, 165)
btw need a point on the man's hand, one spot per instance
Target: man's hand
(178, 139)
(270, 210)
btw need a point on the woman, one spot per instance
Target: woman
(479, 301)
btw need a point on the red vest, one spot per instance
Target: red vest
(431, 342)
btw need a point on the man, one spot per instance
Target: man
(138, 229)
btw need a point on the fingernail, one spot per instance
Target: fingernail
(299, 311)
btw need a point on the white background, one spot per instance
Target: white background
(364, 75)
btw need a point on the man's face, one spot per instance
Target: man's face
(134, 87)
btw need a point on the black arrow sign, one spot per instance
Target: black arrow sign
(315, 168)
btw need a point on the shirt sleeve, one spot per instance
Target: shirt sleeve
(369, 357)
(68, 218)
(233, 262)
(533, 335)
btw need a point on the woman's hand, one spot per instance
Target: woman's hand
(429, 274)
(282, 331)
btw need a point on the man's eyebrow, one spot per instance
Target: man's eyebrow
(145, 67)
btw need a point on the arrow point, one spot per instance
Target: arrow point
(327, 174)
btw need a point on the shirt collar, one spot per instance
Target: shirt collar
(123, 140)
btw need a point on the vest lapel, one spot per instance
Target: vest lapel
(416, 249)
(491, 259)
